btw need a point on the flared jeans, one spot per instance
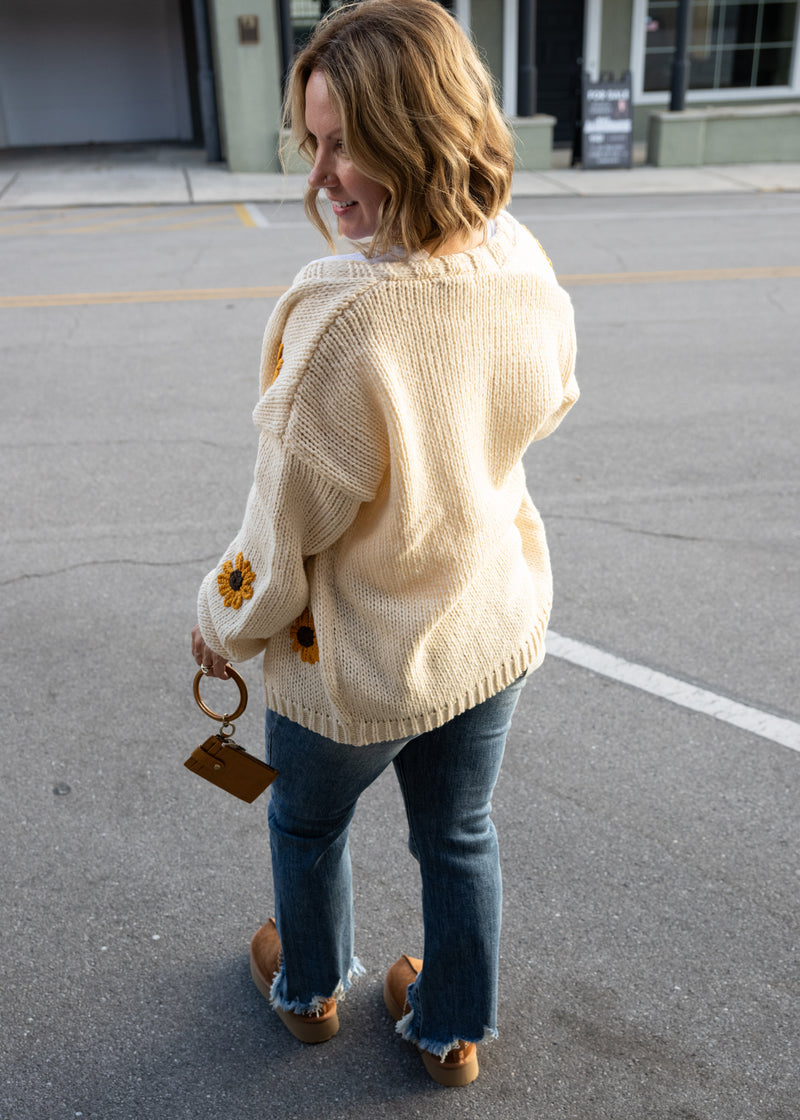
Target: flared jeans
(447, 777)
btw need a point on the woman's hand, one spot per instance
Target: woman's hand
(205, 657)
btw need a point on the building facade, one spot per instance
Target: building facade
(127, 71)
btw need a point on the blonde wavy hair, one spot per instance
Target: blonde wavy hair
(418, 114)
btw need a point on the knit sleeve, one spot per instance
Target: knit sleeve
(559, 352)
(260, 584)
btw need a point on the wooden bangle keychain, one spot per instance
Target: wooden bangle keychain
(223, 762)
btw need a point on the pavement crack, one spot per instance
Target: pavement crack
(24, 576)
(10, 183)
(139, 441)
(662, 534)
(772, 297)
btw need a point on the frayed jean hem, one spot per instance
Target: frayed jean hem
(316, 1005)
(405, 1028)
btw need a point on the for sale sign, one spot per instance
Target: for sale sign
(607, 139)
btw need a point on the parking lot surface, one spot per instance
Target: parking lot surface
(650, 850)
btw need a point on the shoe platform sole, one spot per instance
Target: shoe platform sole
(392, 1006)
(442, 1073)
(305, 1028)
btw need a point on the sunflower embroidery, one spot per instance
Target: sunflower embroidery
(304, 638)
(278, 364)
(235, 580)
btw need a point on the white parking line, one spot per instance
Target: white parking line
(258, 217)
(783, 731)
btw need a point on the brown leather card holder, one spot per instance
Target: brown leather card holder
(230, 767)
(221, 761)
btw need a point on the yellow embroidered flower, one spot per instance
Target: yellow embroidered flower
(234, 582)
(304, 637)
(278, 364)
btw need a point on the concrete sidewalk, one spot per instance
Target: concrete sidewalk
(139, 175)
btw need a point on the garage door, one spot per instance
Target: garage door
(92, 71)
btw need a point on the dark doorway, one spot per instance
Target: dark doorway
(559, 54)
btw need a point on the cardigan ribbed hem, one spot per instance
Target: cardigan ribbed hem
(391, 565)
(362, 733)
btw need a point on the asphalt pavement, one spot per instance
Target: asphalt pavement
(650, 847)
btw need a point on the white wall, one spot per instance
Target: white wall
(92, 71)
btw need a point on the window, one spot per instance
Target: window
(303, 17)
(732, 45)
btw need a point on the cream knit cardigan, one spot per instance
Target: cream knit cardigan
(391, 566)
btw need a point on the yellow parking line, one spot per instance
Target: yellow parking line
(99, 227)
(26, 220)
(189, 295)
(770, 272)
(212, 219)
(244, 215)
(117, 223)
(185, 295)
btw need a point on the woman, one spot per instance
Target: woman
(391, 567)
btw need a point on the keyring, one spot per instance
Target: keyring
(214, 715)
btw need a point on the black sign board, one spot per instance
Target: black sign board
(607, 139)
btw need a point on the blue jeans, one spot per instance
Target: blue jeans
(447, 777)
